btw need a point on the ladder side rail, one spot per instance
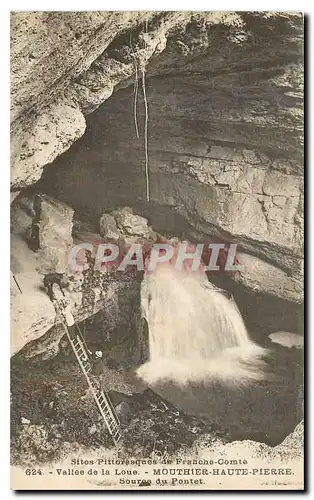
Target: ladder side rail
(81, 337)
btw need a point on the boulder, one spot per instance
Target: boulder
(124, 413)
(108, 227)
(133, 226)
(123, 224)
(32, 311)
(51, 233)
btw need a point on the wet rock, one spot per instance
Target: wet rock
(154, 425)
(287, 339)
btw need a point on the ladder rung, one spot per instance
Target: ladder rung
(111, 420)
(114, 432)
(107, 413)
(114, 425)
(103, 400)
(105, 410)
(110, 415)
(104, 404)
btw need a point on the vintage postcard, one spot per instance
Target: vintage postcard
(157, 250)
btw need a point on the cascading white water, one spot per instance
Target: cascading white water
(196, 333)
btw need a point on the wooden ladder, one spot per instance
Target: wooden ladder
(101, 397)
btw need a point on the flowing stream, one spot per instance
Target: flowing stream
(196, 332)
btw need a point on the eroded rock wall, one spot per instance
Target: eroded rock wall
(225, 118)
(224, 144)
(60, 72)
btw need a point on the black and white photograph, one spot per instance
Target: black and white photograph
(157, 249)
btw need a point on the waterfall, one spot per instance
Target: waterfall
(196, 333)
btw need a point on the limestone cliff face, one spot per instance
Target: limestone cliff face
(60, 73)
(225, 118)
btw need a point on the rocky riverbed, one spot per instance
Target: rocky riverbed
(53, 413)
